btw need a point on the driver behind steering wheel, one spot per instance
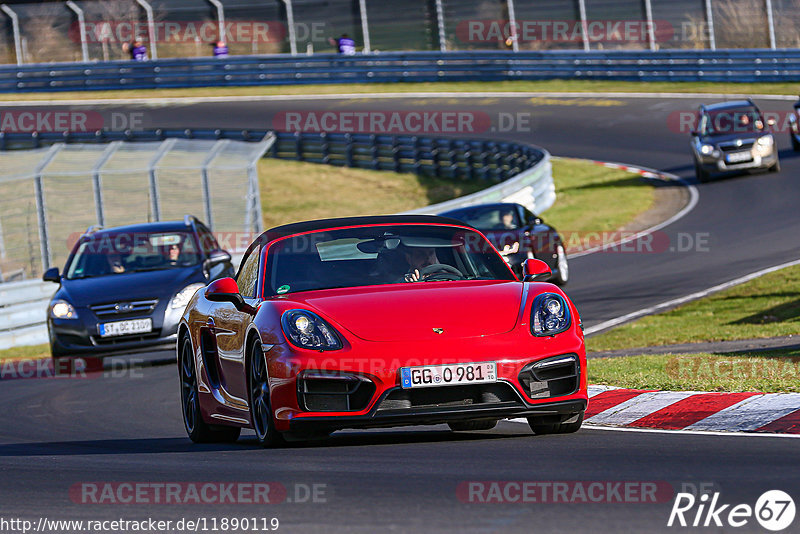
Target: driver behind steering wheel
(418, 259)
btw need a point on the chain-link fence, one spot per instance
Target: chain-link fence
(102, 30)
(49, 196)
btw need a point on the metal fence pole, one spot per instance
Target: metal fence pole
(82, 28)
(771, 22)
(362, 5)
(2, 242)
(254, 214)
(151, 28)
(97, 185)
(651, 30)
(163, 148)
(512, 22)
(215, 150)
(584, 24)
(712, 40)
(220, 18)
(15, 28)
(290, 22)
(41, 207)
(440, 24)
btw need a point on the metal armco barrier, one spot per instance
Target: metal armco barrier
(521, 173)
(748, 65)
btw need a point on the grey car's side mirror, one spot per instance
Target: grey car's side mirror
(217, 257)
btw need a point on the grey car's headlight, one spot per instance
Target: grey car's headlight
(549, 315)
(766, 141)
(61, 309)
(182, 298)
(706, 149)
(307, 330)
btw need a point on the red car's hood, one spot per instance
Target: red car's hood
(411, 312)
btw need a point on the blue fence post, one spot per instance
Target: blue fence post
(348, 149)
(298, 146)
(415, 150)
(373, 151)
(324, 147)
(396, 154)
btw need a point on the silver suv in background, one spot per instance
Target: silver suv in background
(732, 136)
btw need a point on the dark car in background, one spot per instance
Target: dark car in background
(518, 234)
(794, 127)
(732, 136)
(124, 289)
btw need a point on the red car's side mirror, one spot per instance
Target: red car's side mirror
(534, 270)
(226, 290)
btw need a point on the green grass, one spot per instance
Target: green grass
(768, 306)
(578, 86)
(592, 198)
(28, 352)
(768, 372)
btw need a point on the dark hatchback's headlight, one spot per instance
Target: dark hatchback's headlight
(307, 330)
(549, 315)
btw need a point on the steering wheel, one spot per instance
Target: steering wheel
(438, 272)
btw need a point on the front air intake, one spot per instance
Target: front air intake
(551, 377)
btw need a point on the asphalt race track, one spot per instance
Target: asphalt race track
(127, 428)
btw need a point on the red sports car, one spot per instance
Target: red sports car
(377, 322)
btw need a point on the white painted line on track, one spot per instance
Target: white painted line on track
(751, 413)
(694, 197)
(373, 96)
(640, 406)
(605, 325)
(589, 426)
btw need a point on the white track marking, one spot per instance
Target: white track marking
(478, 94)
(694, 197)
(637, 407)
(751, 413)
(589, 426)
(596, 390)
(605, 325)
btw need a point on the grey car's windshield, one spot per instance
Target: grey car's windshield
(381, 255)
(488, 217)
(108, 254)
(732, 121)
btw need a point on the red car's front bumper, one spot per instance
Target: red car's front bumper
(300, 391)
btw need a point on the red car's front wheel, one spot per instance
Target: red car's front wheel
(260, 408)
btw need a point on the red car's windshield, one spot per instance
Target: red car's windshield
(381, 255)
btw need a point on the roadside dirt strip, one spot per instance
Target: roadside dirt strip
(777, 413)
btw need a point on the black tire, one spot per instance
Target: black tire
(776, 167)
(700, 173)
(795, 142)
(469, 426)
(541, 427)
(198, 430)
(260, 407)
(562, 276)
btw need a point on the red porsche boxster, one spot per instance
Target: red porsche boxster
(373, 322)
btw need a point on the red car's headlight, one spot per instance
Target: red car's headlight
(549, 315)
(307, 330)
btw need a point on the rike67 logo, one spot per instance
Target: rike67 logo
(774, 510)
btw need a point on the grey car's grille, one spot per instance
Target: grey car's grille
(733, 147)
(135, 307)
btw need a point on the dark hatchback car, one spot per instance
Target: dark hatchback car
(124, 289)
(518, 234)
(732, 136)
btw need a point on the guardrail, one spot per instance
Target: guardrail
(522, 174)
(746, 65)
